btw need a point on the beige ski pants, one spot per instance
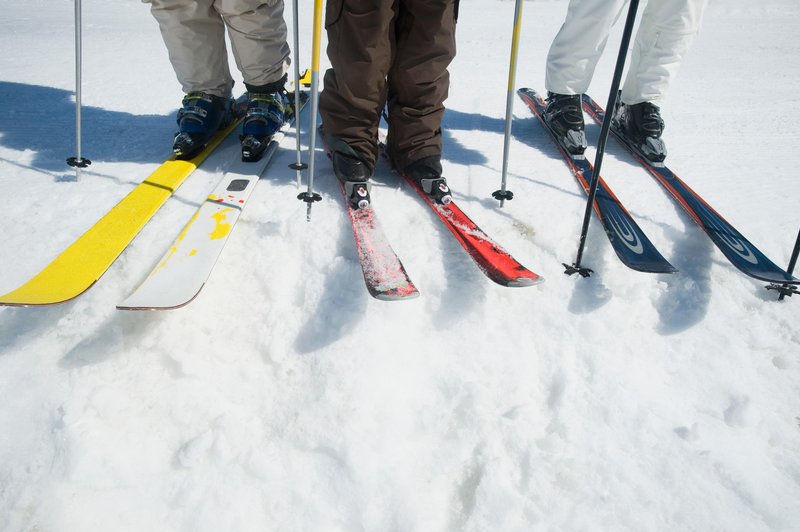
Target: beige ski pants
(194, 33)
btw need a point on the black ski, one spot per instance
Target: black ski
(736, 248)
(630, 243)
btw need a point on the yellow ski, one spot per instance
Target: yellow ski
(77, 268)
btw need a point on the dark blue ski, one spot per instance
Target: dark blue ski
(630, 243)
(736, 248)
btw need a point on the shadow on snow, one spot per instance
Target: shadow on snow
(42, 119)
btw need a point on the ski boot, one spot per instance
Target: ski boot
(641, 124)
(564, 117)
(201, 116)
(354, 174)
(266, 114)
(427, 173)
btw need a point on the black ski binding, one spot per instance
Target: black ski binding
(253, 148)
(437, 189)
(357, 193)
(186, 146)
(575, 143)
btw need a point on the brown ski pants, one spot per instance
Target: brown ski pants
(391, 53)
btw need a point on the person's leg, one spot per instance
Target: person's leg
(419, 80)
(257, 31)
(360, 37)
(666, 31)
(579, 43)
(194, 35)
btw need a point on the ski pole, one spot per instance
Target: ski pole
(504, 194)
(78, 162)
(601, 142)
(298, 165)
(788, 289)
(310, 196)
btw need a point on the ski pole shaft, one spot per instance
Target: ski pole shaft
(298, 166)
(78, 81)
(792, 261)
(795, 252)
(503, 194)
(601, 142)
(310, 196)
(78, 162)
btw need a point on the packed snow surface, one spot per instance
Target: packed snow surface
(284, 398)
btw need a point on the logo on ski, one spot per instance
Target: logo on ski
(626, 233)
(733, 242)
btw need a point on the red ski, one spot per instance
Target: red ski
(493, 260)
(384, 274)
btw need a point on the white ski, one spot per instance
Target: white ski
(186, 266)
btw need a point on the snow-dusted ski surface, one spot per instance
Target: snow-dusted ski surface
(285, 398)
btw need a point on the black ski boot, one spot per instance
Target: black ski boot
(564, 116)
(354, 173)
(201, 116)
(427, 173)
(642, 125)
(268, 109)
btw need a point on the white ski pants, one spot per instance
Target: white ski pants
(194, 32)
(666, 31)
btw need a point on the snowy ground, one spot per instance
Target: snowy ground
(284, 398)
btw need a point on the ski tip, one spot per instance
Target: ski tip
(396, 296)
(520, 282)
(392, 291)
(152, 307)
(144, 304)
(35, 294)
(660, 267)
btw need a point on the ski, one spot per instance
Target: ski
(79, 266)
(736, 248)
(495, 262)
(631, 245)
(181, 273)
(384, 274)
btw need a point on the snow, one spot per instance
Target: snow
(285, 398)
